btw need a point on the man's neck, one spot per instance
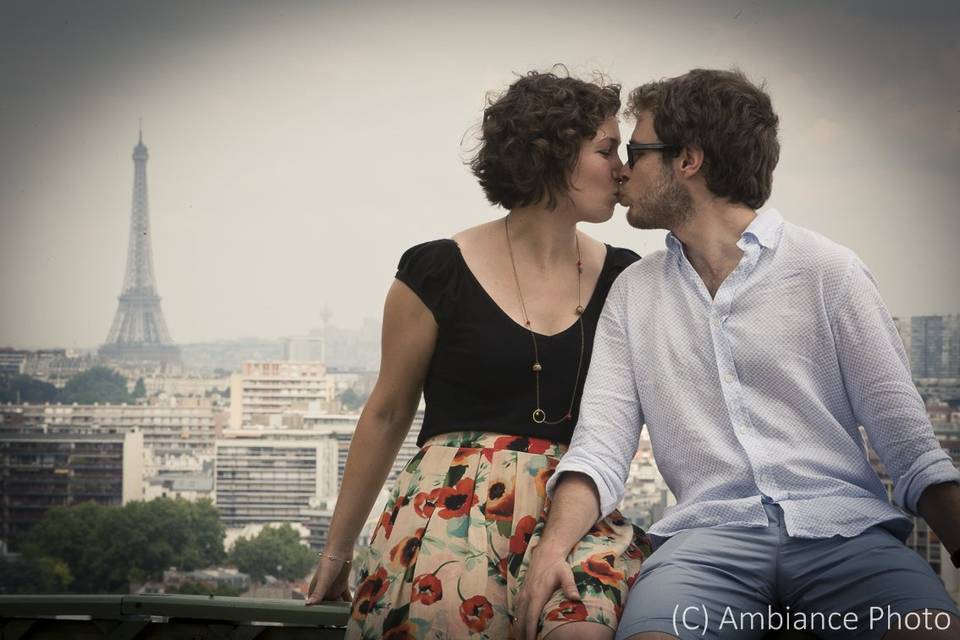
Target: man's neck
(710, 240)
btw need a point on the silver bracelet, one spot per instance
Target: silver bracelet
(334, 558)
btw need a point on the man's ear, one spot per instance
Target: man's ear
(688, 162)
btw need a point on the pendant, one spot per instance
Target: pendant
(539, 416)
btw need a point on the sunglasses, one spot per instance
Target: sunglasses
(636, 149)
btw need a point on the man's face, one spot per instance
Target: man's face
(654, 197)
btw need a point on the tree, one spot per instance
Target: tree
(203, 589)
(106, 548)
(140, 389)
(24, 389)
(351, 400)
(98, 384)
(276, 551)
(33, 575)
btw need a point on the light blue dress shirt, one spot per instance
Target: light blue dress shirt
(756, 394)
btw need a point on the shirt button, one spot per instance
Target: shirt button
(728, 378)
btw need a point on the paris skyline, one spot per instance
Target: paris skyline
(297, 149)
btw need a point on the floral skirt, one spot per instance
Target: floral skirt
(448, 556)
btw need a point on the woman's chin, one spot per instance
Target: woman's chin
(599, 216)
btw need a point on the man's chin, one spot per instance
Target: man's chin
(637, 221)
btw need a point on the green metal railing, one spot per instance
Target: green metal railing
(147, 617)
(179, 617)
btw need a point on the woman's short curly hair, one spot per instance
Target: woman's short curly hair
(532, 133)
(727, 116)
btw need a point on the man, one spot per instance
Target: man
(753, 350)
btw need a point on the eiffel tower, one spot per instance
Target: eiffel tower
(139, 333)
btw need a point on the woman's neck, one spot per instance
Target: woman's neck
(545, 237)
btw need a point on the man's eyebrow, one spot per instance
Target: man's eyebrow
(614, 139)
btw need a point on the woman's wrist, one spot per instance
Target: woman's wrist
(342, 558)
(341, 551)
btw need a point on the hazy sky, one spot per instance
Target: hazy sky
(296, 149)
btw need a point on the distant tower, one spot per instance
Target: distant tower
(139, 332)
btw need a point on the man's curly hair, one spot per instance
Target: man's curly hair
(532, 133)
(727, 116)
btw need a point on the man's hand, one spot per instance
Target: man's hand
(547, 572)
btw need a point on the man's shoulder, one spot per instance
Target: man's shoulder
(649, 267)
(814, 251)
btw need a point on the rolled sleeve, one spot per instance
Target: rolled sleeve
(881, 392)
(609, 486)
(607, 433)
(933, 467)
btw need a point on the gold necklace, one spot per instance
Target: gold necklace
(539, 415)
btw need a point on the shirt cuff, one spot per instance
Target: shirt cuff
(933, 467)
(610, 489)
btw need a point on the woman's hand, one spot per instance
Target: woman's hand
(330, 581)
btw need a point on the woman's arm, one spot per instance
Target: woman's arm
(408, 339)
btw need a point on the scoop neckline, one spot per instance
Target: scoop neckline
(505, 315)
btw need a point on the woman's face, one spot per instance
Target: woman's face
(594, 182)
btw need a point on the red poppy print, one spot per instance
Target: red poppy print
(369, 593)
(600, 566)
(569, 611)
(427, 589)
(521, 535)
(635, 553)
(424, 504)
(462, 457)
(387, 521)
(519, 443)
(602, 529)
(476, 612)
(384, 525)
(456, 501)
(405, 631)
(541, 479)
(415, 583)
(406, 551)
(500, 500)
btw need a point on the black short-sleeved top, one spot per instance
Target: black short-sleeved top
(480, 377)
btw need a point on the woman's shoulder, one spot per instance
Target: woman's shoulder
(620, 257)
(617, 259)
(428, 255)
(479, 237)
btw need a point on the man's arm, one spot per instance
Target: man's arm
(589, 481)
(885, 401)
(939, 505)
(575, 508)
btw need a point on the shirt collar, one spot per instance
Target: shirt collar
(765, 229)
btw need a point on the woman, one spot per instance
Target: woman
(495, 326)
